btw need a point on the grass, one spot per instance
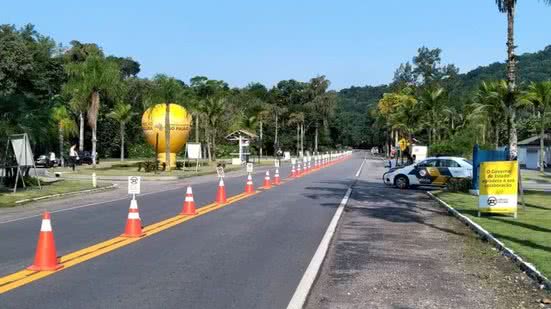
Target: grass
(130, 167)
(536, 176)
(529, 235)
(8, 199)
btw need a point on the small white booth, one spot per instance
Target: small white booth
(243, 138)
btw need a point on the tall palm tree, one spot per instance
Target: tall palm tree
(432, 101)
(297, 119)
(539, 97)
(165, 90)
(490, 101)
(66, 126)
(509, 7)
(122, 113)
(406, 116)
(90, 80)
(213, 110)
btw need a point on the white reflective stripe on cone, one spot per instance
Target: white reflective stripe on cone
(188, 191)
(46, 225)
(189, 199)
(133, 215)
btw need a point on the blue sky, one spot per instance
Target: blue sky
(352, 42)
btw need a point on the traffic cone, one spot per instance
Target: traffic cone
(293, 171)
(221, 193)
(46, 256)
(249, 188)
(267, 184)
(277, 180)
(189, 204)
(133, 223)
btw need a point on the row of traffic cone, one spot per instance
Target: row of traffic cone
(46, 255)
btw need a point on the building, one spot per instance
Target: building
(529, 151)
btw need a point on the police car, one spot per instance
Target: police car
(434, 171)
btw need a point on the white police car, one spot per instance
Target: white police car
(434, 171)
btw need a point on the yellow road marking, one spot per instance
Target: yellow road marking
(25, 276)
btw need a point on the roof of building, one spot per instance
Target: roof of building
(243, 133)
(535, 141)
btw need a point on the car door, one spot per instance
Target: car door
(426, 172)
(454, 169)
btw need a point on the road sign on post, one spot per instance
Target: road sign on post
(134, 184)
(220, 171)
(250, 167)
(276, 163)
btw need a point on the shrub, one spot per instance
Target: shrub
(148, 166)
(459, 184)
(139, 150)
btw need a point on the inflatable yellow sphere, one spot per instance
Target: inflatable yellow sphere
(153, 124)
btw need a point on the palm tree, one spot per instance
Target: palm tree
(539, 97)
(406, 116)
(432, 101)
(297, 119)
(213, 109)
(66, 126)
(490, 101)
(509, 7)
(122, 113)
(90, 80)
(165, 90)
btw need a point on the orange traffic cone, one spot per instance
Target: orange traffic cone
(46, 256)
(277, 180)
(267, 184)
(133, 223)
(189, 204)
(293, 171)
(249, 186)
(221, 193)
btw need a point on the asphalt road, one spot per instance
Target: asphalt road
(251, 254)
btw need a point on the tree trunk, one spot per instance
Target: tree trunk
(261, 141)
(81, 133)
(95, 102)
(207, 136)
(298, 140)
(497, 136)
(94, 141)
(302, 139)
(197, 128)
(61, 145)
(276, 141)
(511, 79)
(213, 144)
(316, 139)
(167, 137)
(542, 143)
(122, 141)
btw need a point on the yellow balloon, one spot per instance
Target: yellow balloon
(153, 124)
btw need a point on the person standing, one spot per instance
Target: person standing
(73, 156)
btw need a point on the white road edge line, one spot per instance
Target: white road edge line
(303, 289)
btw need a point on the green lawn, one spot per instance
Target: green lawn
(130, 168)
(535, 176)
(529, 235)
(7, 199)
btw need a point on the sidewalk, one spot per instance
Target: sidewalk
(397, 249)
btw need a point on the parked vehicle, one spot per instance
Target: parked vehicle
(435, 171)
(84, 157)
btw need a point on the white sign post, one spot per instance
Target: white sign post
(250, 167)
(276, 163)
(134, 185)
(193, 151)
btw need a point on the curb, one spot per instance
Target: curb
(528, 268)
(113, 186)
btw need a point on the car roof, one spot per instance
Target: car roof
(451, 158)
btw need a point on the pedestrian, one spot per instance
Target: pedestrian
(73, 155)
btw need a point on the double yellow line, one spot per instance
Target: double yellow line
(25, 276)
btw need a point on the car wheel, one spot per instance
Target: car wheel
(401, 182)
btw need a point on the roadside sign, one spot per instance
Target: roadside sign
(134, 184)
(250, 167)
(498, 187)
(276, 163)
(293, 161)
(220, 171)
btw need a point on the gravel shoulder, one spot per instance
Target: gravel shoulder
(398, 249)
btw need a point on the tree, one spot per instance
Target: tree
(297, 119)
(122, 113)
(432, 101)
(539, 97)
(166, 90)
(509, 7)
(213, 109)
(66, 126)
(490, 101)
(90, 80)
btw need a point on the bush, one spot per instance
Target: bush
(140, 151)
(459, 184)
(148, 166)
